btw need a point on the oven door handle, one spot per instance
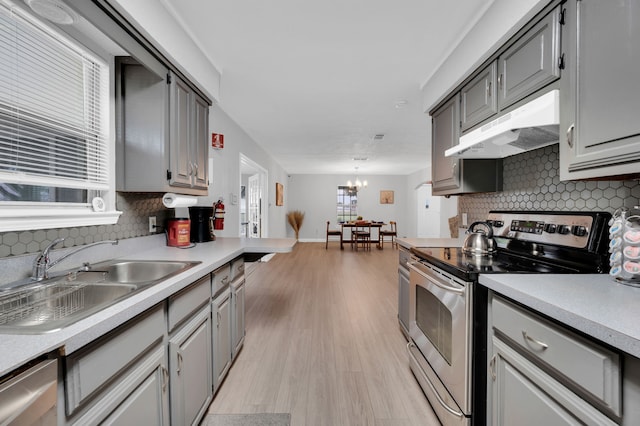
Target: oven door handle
(459, 291)
(411, 346)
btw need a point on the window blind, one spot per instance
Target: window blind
(53, 107)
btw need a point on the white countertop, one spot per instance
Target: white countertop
(19, 349)
(430, 242)
(593, 304)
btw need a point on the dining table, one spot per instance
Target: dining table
(374, 225)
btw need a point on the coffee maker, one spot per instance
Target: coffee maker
(201, 224)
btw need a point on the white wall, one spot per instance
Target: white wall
(225, 176)
(315, 195)
(160, 26)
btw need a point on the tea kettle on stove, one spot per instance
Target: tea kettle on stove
(479, 242)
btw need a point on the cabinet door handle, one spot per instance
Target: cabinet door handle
(165, 379)
(492, 367)
(570, 132)
(195, 170)
(180, 362)
(488, 89)
(543, 345)
(225, 280)
(500, 82)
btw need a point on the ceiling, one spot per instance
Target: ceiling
(313, 83)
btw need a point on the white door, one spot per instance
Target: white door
(254, 208)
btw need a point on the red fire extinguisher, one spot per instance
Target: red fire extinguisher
(218, 215)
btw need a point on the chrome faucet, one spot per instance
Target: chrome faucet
(42, 263)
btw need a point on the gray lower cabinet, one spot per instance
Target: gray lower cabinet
(600, 95)
(191, 369)
(403, 290)
(140, 397)
(190, 357)
(221, 332)
(237, 316)
(114, 376)
(542, 373)
(525, 395)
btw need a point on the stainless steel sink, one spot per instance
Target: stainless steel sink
(55, 303)
(138, 271)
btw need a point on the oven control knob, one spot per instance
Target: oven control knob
(550, 228)
(579, 231)
(564, 229)
(497, 224)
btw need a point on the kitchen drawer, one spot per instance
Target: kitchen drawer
(188, 300)
(221, 278)
(92, 367)
(592, 369)
(237, 267)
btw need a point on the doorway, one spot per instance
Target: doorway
(253, 199)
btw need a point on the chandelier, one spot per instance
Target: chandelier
(358, 184)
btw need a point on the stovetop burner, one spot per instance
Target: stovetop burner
(462, 265)
(532, 243)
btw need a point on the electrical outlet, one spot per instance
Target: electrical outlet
(152, 224)
(464, 219)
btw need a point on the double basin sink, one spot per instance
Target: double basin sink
(52, 304)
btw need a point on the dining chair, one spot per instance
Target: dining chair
(393, 233)
(333, 233)
(362, 235)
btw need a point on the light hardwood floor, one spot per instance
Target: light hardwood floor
(323, 342)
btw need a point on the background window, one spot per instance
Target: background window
(347, 205)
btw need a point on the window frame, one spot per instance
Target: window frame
(350, 194)
(98, 210)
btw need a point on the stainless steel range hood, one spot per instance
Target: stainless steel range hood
(531, 126)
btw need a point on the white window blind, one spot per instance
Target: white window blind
(53, 107)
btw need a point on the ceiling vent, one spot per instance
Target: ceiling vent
(360, 158)
(378, 137)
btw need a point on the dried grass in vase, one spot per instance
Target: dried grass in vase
(295, 219)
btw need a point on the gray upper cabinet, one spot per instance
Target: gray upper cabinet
(451, 175)
(478, 100)
(600, 95)
(162, 132)
(189, 124)
(445, 132)
(201, 143)
(531, 62)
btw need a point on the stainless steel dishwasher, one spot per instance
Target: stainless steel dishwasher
(30, 396)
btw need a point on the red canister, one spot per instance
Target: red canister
(178, 231)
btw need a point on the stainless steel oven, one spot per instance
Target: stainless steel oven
(447, 306)
(440, 321)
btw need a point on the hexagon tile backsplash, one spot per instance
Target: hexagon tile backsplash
(134, 222)
(531, 182)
